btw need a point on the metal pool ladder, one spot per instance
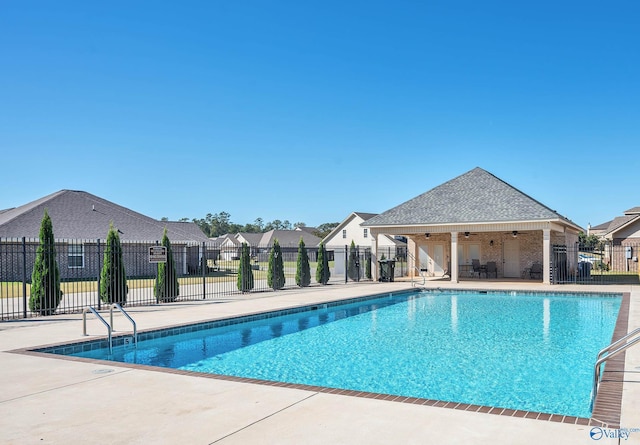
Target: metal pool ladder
(109, 326)
(424, 277)
(621, 345)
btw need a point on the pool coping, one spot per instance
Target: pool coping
(607, 406)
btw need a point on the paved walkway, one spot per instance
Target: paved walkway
(56, 401)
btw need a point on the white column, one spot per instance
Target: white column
(412, 250)
(546, 256)
(454, 257)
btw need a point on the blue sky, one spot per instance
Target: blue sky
(309, 110)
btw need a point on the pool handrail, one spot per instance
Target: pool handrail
(135, 330)
(602, 358)
(84, 324)
(424, 277)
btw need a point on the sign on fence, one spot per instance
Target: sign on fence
(157, 254)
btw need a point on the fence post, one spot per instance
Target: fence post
(157, 275)
(24, 277)
(204, 271)
(99, 271)
(346, 264)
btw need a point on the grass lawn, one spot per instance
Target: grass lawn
(228, 272)
(14, 289)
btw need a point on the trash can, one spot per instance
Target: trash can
(387, 270)
(584, 270)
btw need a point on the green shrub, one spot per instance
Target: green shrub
(353, 270)
(45, 279)
(245, 273)
(303, 271)
(167, 287)
(322, 270)
(275, 273)
(113, 279)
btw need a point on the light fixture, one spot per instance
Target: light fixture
(466, 234)
(491, 243)
(515, 233)
(427, 235)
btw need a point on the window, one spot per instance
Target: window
(366, 233)
(344, 233)
(76, 256)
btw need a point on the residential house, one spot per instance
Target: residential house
(622, 241)
(261, 243)
(80, 223)
(477, 216)
(339, 239)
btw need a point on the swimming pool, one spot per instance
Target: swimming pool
(525, 351)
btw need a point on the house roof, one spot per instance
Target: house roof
(607, 228)
(289, 238)
(633, 211)
(365, 216)
(620, 222)
(307, 229)
(81, 215)
(474, 197)
(251, 238)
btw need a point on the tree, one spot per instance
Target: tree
(303, 272)
(245, 273)
(275, 273)
(324, 229)
(367, 264)
(322, 269)
(45, 279)
(591, 242)
(353, 268)
(113, 279)
(167, 287)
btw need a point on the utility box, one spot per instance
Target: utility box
(628, 251)
(387, 270)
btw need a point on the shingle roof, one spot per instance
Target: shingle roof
(620, 221)
(633, 211)
(365, 216)
(81, 215)
(289, 238)
(474, 197)
(252, 238)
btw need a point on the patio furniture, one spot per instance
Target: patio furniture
(492, 269)
(535, 273)
(476, 268)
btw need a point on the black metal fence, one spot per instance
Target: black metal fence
(607, 263)
(204, 270)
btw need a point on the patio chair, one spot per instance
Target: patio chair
(536, 271)
(475, 268)
(491, 269)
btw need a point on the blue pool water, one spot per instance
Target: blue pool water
(531, 352)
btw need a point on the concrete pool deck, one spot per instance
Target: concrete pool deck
(51, 400)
